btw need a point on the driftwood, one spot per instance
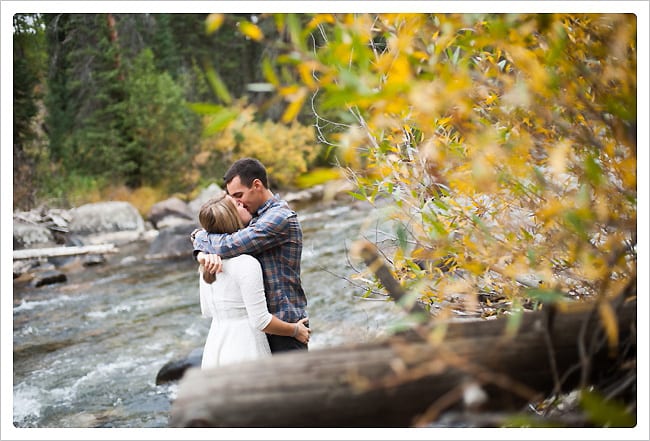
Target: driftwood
(404, 380)
(35, 253)
(411, 379)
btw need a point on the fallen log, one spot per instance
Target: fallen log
(409, 380)
(35, 253)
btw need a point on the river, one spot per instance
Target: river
(87, 351)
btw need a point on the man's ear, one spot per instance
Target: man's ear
(257, 184)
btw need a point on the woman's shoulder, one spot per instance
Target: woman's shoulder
(243, 260)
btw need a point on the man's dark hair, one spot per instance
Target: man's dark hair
(248, 169)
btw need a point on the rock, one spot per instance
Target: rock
(106, 217)
(48, 278)
(27, 235)
(24, 266)
(128, 260)
(172, 242)
(114, 237)
(93, 259)
(171, 221)
(213, 190)
(172, 207)
(174, 370)
(58, 218)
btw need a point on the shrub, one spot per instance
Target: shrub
(287, 151)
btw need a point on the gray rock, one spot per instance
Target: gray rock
(172, 242)
(48, 277)
(27, 235)
(106, 217)
(174, 370)
(211, 191)
(171, 221)
(172, 207)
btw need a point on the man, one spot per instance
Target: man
(273, 236)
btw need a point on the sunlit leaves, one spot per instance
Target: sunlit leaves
(506, 140)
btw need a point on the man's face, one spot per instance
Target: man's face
(242, 212)
(249, 198)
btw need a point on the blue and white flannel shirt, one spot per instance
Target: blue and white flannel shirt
(274, 237)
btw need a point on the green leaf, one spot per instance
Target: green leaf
(606, 413)
(293, 23)
(547, 296)
(402, 236)
(205, 108)
(593, 171)
(218, 86)
(576, 222)
(361, 197)
(219, 122)
(514, 321)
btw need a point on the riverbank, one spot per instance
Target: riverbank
(39, 234)
(86, 352)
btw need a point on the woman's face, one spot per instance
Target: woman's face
(243, 213)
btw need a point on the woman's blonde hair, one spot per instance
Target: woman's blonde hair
(219, 215)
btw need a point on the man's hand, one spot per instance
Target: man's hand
(193, 234)
(211, 262)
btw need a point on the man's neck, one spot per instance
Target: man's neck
(269, 195)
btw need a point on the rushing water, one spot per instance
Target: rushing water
(87, 351)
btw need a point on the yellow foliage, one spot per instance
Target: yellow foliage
(287, 151)
(508, 136)
(142, 198)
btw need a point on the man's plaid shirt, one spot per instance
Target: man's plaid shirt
(274, 237)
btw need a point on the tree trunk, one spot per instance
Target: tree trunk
(409, 380)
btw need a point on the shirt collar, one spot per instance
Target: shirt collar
(267, 204)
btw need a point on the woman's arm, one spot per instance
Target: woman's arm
(249, 275)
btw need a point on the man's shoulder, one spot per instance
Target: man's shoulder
(278, 208)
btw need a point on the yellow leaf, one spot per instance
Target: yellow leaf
(294, 107)
(287, 91)
(269, 74)
(320, 18)
(306, 70)
(491, 99)
(250, 30)
(400, 71)
(213, 23)
(608, 318)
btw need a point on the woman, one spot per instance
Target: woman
(235, 298)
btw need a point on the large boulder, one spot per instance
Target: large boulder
(169, 212)
(172, 242)
(116, 221)
(211, 191)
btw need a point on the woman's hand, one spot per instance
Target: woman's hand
(302, 331)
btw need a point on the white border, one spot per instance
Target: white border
(8, 8)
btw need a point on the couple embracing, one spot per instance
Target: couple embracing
(249, 252)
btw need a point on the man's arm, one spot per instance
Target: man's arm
(266, 233)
